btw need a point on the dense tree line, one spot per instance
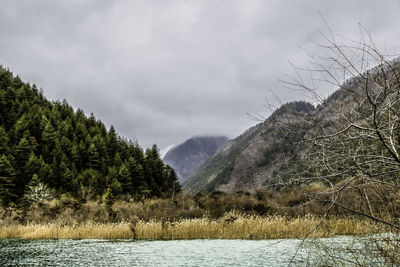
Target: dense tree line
(43, 142)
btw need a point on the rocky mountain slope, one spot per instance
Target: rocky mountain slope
(273, 152)
(249, 160)
(353, 133)
(188, 156)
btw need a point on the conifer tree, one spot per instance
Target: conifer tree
(75, 153)
(66, 175)
(124, 176)
(117, 160)
(112, 141)
(112, 172)
(45, 174)
(81, 131)
(3, 141)
(2, 105)
(33, 166)
(21, 156)
(21, 153)
(155, 168)
(171, 184)
(48, 135)
(93, 157)
(138, 178)
(48, 139)
(116, 187)
(7, 184)
(21, 125)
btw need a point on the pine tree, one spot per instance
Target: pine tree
(138, 178)
(33, 166)
(66, 145)
(46, 174)
(48, 138)
(81, 131)
(3, 141)
(48, 135)
(24, 107)
(66, 175)
(7, 185)
(112, 141)
(93, 179)
(3, 104)
(10, 113)
(171, 185)
(124, 176)
(21, 156)
(148, 171)
(155, 167)
(22, 125)
(112, 172)
(93, 157)
(66, 129)
(117, 160)
(21, 153)
(75, 153)
(116, 187)
(104, 159)
(82, 158)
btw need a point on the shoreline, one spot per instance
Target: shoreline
(229, 227)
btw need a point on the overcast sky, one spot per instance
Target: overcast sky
(163, 71)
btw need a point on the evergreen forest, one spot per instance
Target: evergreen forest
(50, 144)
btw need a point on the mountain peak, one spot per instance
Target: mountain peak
(188, 156)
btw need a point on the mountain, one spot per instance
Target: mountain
(48, 143)
(245, 162)
(188, 156)
(362, 137)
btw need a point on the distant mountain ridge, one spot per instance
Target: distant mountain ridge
(188, 156)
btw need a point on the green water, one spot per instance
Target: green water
(162, 253)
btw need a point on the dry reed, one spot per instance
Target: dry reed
(232, 226)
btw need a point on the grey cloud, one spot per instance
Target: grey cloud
(163, 71)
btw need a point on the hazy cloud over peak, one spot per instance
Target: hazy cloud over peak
(163, 71)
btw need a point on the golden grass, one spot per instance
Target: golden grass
(231, 226)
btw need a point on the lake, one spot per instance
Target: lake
(92, 252)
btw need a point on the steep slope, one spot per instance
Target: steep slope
(188, 156)
(269, 152)
(48, 143)
(249, 160)
(277, 150)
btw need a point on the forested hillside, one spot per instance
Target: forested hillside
(48, 143)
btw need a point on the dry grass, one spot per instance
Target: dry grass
(54, 231)
(232, 226)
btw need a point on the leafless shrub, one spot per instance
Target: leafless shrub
(39, 193)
